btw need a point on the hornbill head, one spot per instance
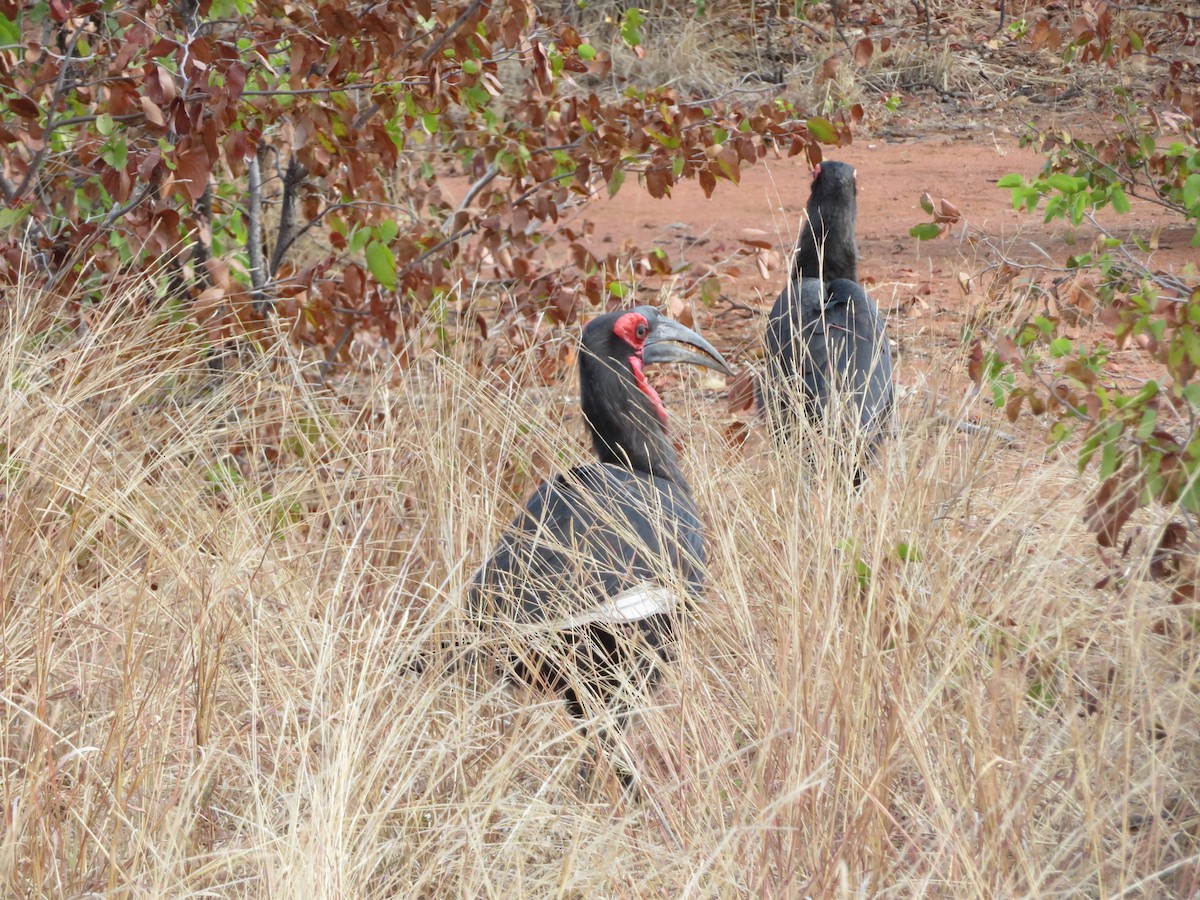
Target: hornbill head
(624, 413)
(834, 192)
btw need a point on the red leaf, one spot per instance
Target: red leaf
(60, 10)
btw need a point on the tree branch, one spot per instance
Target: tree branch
(254, 234)
(458, 23)
(286, 236)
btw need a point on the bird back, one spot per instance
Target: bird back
(599, 534)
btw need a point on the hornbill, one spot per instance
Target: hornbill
(588, 580)
(825, 336)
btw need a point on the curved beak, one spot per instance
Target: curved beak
(669, 342)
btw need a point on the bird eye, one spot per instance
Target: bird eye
(642, 330)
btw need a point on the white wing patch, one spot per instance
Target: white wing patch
(637, 603)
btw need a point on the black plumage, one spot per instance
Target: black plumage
(588, 580)
(825, 336)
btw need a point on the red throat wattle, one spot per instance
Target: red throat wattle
(639, 376)
(632, 328)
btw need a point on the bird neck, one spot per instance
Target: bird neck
(626, 422)
(827, 249)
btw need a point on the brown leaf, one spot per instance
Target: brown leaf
(947, 212)
(736, 433)
(153, 114)
(1112, 506)
(762, 259)
(863, 51)
(23, 107)
(1008, 351)
(1167, 556)
(975, 362)
(741, 391)
(192, 171)
(681, 310)
(207, 302)
(756, 237)
(1012, 408)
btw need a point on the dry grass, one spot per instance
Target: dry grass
(214, 587)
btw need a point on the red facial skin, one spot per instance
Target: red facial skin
(633, 328)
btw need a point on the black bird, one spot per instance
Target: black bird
(825, 336)
(586, 580)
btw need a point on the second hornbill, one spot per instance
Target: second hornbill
(825, 336)
(588, 580)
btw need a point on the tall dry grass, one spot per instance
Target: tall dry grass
(214, 586)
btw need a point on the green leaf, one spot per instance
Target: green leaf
(382, 264)
(10, 31)
(1068, 184)
(359, 239)
(116, 154)
(631, 24)
(472, 66)
(1078, 204)
(1060, 347)
(223, 475)
(14, 215)
(1058, 433)
(908, 553)
(1191, 190)
(1119, 201)
(105, 124)
(1110, 459)
(614, 183)
(617, 289)
(926, 231)
(1146, 426)
(387, 231)
(1012, 180)
(822, 129)
(431, 122)
(586, 52)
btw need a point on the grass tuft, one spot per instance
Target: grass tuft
(215, 584)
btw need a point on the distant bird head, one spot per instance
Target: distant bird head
(833, 179)
(624, 412)
(834, 187)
